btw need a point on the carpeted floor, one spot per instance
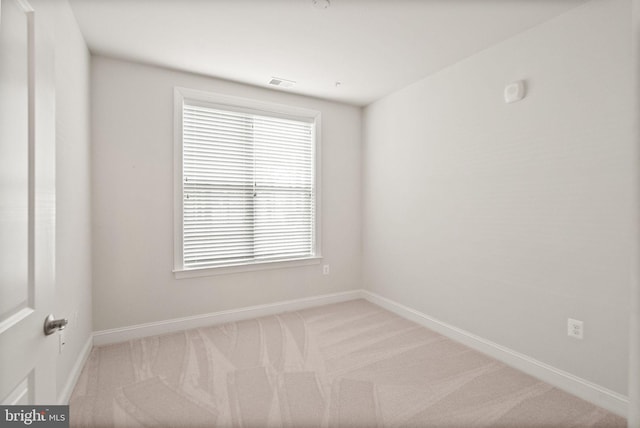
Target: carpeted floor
(350, 364)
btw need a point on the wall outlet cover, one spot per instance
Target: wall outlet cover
(575, 328)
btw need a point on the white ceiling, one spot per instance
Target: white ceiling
(372, 47)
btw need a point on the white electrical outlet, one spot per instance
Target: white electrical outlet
(325, 270)
(575, 328)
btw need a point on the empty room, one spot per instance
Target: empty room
(319, 213)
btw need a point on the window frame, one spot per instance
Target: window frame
(246, 105)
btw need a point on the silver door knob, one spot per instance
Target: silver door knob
(52, 325)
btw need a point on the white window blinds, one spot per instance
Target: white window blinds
(248, 187)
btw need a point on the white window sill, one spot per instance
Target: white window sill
(248, 267)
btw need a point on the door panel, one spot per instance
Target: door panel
(14, 159)
(21, 394)
(27, 203)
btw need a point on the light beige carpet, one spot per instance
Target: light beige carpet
(350, 364)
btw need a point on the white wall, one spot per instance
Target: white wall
(73, 196)
(505, 220)
(634, 333)
(132, 137)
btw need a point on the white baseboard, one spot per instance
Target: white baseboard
(65, 394)
(115, 335)
(589, 391)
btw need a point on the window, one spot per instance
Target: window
(245, 183)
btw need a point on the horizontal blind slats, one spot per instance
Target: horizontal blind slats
(248, 187)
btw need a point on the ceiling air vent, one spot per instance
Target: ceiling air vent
(281, 83)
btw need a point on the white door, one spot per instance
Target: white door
(27, 206)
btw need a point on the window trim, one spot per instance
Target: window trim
(252, 106)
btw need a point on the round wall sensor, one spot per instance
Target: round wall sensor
(514, 92)
(321, 4)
